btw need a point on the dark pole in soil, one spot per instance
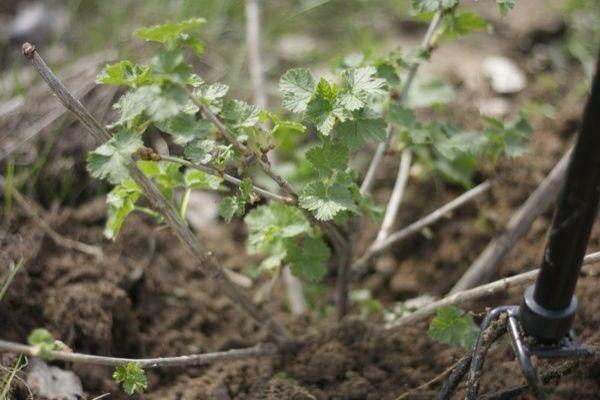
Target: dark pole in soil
(549, 306)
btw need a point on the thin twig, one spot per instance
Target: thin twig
(294, 291)
(427, 43)
(393, 206)
(206, 259)
(540, 200)
(33, 211)
(262, 350)
(257, 76)
(226, 177)
(12, 272)
(490, 289)
(377, 248)
(466, 359)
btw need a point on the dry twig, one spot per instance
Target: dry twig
(257, 75)
(393, 239)
(262, 350)
(499, 286)
(540, 200)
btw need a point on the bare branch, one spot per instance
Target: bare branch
(540, 200)
(499, 286)
(229, 178)
(257, 75)
(207, 261)
(391, 211)
(379, 247)
(262, 350)
(427, 43)
(295, 292)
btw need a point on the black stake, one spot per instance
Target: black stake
(546, 314)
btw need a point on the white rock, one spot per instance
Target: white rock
(505, 76)
(203, 209)
(52, 383)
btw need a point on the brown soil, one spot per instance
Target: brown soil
(147, 298)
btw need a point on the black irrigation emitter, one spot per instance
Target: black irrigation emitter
(541, 325)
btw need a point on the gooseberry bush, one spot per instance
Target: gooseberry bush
(297, 216)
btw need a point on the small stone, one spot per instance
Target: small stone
(52, 383)
(504, 75)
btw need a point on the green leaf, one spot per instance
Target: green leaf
(195, 179)
(111, 161)
(427, 93)
(173, 34)
(121, 202)
(454, 327)
(460, 24)
(43, 341)
(211, 95)
(236, 205)
(268, 225)
(321, 109)
(230, 206)
(209, 151)
(505, 6)
(328, 157)
(433, 5)
(185, 128)
(466, 143)
(328, 197)
(308, 260)
(297, 86)
(132, 377)
(358, 85)
(155, 102)
(239, 114)
(124, 73)
(355, 133)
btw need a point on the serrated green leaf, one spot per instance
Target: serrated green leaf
(465, 143)
(155, 102)
(239, 114)
(124, 73)
(358, 84)
(236, 205)
(505, 6)
(388, 72)
(121, 202)
(132, 377)
(185, 128)
(297, 86)
(269, 227)
(209, 151)
(195, 179)
(328, 157)
(230, 207)
(326, 198)
(321, 109)
(360, 130)
(111, 161)
(308, 259)
(43, 341)
(173, 34)
(433, 5)
(454, 327)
